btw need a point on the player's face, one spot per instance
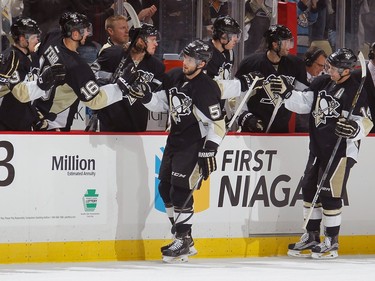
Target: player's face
(335, 73)
(152, 43)
(190, 65)
(33, 40)
(230, 40)
(285, 46)
(318, 66)
(120, 32)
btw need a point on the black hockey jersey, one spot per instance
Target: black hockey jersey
(14, 114)
(221, 64)
(80, 84)
(326, 101)
(129, 114)
(194, 108)
(261, 104)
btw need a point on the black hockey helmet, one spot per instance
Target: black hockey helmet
(343, 58)
(198, 50)
(225, 25)
(277, 33)
(145, 31)
(71, 21)
(24, 26)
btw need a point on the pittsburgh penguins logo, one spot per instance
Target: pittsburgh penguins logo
(225, 71)
(144, 76)
(180, 104)
(325, 108)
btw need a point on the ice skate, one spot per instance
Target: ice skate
(178, 250)
(192, 250)
(327, 249)
(303, 248)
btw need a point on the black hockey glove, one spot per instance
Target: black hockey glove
(51, 76)
(8, 65)
(247, 79)
(140, 90)
(279, 85)
(250, 123)
(348, 129)
(129, 76)
(206, 162)
(41, 123)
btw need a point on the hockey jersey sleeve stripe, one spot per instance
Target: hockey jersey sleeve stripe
(158, 102)
(27, 91)
(300, 101)
(107, 95)
(229, 88)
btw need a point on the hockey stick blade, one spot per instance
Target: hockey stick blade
(329, 164)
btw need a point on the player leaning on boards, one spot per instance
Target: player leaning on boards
(338, 121)
(196, 130)
(60, 105)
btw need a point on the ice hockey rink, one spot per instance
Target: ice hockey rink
(344, 268)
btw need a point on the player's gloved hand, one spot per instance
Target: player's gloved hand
(140, 90)
(207, 162)
(348, 129)
(280, 85)
(41, 123)
(129, 76)
(8, 65)
(250, 123)
(51, 76)
(247, 79)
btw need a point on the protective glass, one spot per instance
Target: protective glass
(29, 37)
(288, 43)
(231, 36)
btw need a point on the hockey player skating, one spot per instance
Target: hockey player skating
(196, 130)
(335, 120)
(59, 107)
(274, 61)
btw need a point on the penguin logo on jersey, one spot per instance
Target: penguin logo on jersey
(144, 76)
(224, 71)
(325, 108)
(179, 104)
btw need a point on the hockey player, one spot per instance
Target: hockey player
(329, 100)
(59, 107)
(129, 114)
(197, 128)
(17, 112)
(275, 61)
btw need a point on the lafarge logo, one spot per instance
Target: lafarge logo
(74, 165)
(201, 196)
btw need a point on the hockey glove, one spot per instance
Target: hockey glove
(129, 76)
(250, 123)
(41, 123)
(140, 91)
(51, 76)
(206, 162)
(348, 129)
(279, 86)
(247, 79)
(8, 65)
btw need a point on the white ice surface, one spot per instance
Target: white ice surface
(344, 268)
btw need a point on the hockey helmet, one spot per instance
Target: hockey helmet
(24, 26)
(71, 21)
(198, 50)
(343, 58)
(225, 25)
(145, 31)
(277, 33)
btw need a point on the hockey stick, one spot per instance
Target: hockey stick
(197, 183)
(121, 66)
(329, 164)
(275, 110)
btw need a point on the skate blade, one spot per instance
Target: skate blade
(299, 254)
(179, 259)
(192, 251)
(325, 256)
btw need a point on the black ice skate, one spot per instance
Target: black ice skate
(327, 249)
(192, 250)
(178, 250)
(303, 248)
